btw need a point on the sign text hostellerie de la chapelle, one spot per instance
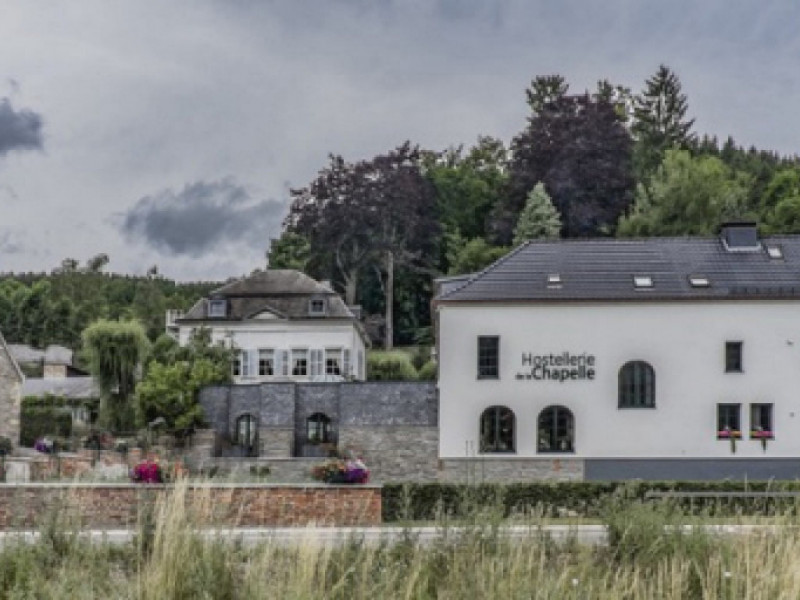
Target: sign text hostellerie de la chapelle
(560, 367)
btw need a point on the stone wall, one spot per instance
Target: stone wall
(232, 505)
(392, 425)
(511, 469)
(10, 396)
(395, 453)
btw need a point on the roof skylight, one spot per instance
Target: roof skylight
(775, 251)
(642, 281)
(554, 279)
(699, 281)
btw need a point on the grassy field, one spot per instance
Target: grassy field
(650, 555)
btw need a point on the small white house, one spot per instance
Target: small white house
(659, 358)
(285, 325)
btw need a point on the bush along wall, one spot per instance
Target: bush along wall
(47, 416)
(431, 501)
(394, 365)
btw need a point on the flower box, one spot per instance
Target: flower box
(760, 434)
(727, 434)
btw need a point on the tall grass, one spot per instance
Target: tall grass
(651, 553)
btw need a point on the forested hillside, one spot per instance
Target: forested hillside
(600, 163)
(54, 308)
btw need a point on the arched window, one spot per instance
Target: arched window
(497, 430)
(246, 434)
(637, 385)
(318, 429)
(556, 430)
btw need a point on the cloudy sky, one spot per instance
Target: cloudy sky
(169, 133)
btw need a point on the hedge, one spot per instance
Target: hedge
(390, 366)
(430, 501)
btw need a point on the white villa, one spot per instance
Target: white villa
(285, 325)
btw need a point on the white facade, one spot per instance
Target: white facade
(284, 325)
(683, 341)
(332, 349)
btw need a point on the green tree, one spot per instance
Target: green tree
(687, 196)
(289, 251)
(116, 351)
(786, 216)
(660, 121)
(783, 185)
(473, 256)
(539, 219)
(468, 185)
(174, 377)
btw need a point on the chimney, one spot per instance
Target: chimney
(740, 236)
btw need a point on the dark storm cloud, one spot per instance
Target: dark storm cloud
(202, 217)
(19, 129)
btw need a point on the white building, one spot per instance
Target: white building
(662, 358)
(285, 325)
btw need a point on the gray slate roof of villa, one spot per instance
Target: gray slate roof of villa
(284, 292)
(678, 268)
(66, 387)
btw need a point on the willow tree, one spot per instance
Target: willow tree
(116, 351)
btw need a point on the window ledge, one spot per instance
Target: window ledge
(489, 377)
(650, 407)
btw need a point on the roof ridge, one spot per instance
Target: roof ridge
(479, 274)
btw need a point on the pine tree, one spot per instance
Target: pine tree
(659, 121)
(539, 219)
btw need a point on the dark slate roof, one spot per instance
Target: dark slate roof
(68, 387)
(286, 293)
(603, 269)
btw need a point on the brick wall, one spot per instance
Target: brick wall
(226, 505)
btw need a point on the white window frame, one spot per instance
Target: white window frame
(322, 310)
(214, 307)
(297, 354)
(267, 354)
(334, 354)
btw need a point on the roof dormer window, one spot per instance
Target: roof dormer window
(699, 281)
(317, 307)
(740, 237)
(217, 308)
(642, 282)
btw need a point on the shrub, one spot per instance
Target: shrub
(427, 501)
(428, 371)
(46, 416)
(390, 366)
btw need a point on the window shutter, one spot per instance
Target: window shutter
(346, 362)
(284, 362)
(312, 360)
(277, 367)
(316, 363)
